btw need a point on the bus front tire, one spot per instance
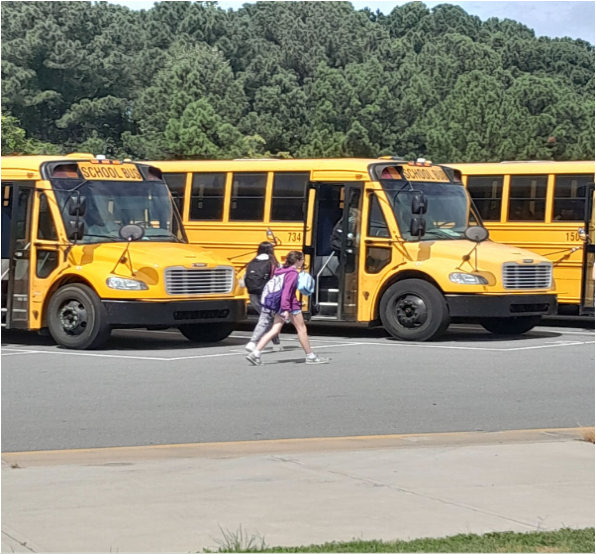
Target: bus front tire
(510, 325)
(207, 332)
(414, 310)
(77, 319)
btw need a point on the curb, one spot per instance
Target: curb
(239, 449)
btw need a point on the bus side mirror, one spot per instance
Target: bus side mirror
(77, 206)
(419, 204)
(131, 233)
(418, 227)
(476, 233)
(75, 230)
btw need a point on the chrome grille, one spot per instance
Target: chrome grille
(520, 276)
(182, 281)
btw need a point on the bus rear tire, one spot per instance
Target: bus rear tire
(414, 310)
(510, 325)
(77, 319)
(207, 332)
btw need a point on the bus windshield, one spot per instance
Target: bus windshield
(113, 204)
(449, 209)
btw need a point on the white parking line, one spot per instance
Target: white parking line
(4, 354)
(89, 354)
(161, 359)
(550, 346)
(557, 330)
(321, 343)
(488, 349)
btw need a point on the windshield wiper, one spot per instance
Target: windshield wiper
(163, 236)
(441, 233)
(113, 239)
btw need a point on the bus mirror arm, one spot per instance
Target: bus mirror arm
(467, 257)
(130, 233)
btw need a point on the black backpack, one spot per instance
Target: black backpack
(336, 235)
(258, 272)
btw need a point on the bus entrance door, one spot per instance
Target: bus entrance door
(587, 300)
(16, 301)
(334, 248)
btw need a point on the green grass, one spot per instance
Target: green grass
(565, 540)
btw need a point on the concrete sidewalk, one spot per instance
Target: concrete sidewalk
(176, 498)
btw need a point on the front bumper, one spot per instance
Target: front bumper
(137, 313)
(505, 305)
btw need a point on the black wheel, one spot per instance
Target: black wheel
(207, 332)
(77, 319)
(415, 310)
(510, 325)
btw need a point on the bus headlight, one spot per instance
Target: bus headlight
(119, 283)
(467, 279)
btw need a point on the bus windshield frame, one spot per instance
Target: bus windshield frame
(111, 204)
(450, 208)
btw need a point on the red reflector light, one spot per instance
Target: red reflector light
(65, 171)
(153, 174)
(410, 163)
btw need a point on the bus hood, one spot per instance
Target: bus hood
(490, 255)
(142, 255)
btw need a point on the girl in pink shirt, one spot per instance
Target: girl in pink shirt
(290, 309)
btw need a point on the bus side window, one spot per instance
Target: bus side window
(377, 257)
(527, 198)
(287, 200)
(177, 184)
(6, 218)
(377, 225)
(248, 197)
(207, 196)
(487, 193)
(570, 197)
(46, 229)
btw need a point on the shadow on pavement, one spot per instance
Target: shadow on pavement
(119, 341)
(125, 340)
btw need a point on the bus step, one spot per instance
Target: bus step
(322, 317)
(328, 304)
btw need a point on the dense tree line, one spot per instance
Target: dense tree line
(191, 80)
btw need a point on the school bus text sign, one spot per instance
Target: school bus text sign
(100, 172)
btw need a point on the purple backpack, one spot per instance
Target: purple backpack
(271, 297)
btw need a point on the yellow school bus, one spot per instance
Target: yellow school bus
(89, 245)
(387, 241)
(548, 208)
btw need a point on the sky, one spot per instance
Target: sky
(547, 18)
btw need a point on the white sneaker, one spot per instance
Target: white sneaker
(316, 360)
(278, 348)
(250, 347)
(254, 360)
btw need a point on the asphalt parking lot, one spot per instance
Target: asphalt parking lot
(157, 388)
